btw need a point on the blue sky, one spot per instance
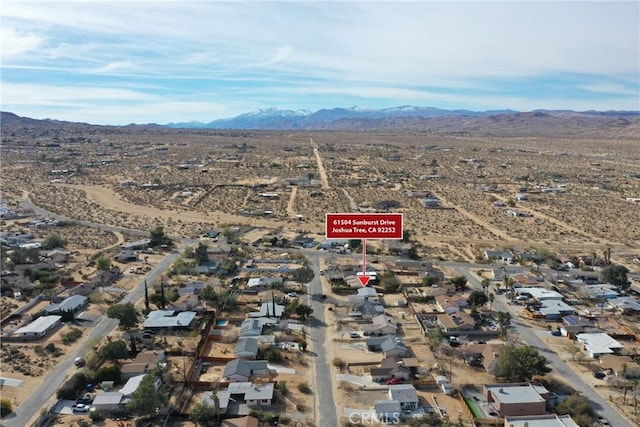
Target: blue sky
(110, 62)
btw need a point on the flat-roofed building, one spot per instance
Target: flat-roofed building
(549, 420)
(517, 399)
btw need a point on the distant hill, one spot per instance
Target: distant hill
(504, 123)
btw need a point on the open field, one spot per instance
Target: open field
(189, 181)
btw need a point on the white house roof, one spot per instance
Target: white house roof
(169, 319)
(403, 393)
(555, 307)
(626, 303)
(132, 385)
(267, 309)
(264, 281)
(259, 392)
(600, 291)
(540, 293)
(549, 420)
(599, 343)
(40, 325)
(108, 398)
(517, 393)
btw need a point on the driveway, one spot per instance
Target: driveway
(363, 381)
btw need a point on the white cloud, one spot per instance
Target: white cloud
(115, 66)
(16, 43)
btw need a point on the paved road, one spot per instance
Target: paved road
(27, 411)
(326, 414)
(528, 335)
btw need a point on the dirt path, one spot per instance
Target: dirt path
(352, 203)
(291, 206)
(110, 200)
(321, 169)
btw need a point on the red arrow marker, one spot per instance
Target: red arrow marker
(364, 279)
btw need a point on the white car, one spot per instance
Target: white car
(292, 295)
(80, 407)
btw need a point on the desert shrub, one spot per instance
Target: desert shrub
(304, 388)
(72, 388)
(72, 336)
(5, 407)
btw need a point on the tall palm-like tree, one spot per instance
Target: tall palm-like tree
(485, 284)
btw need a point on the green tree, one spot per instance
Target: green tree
(579, 408)
(615, 274)
(304, 311)
(159, 238)
(147, 400)
(201, 255)
(504, 321)
(354, 244)
(460, 282)
(5, 407)
(73, 386)
(477, 299)
(519, 363)
(281, 386)
(428, 280)
(54, 241)
(125, 313)
(203, 414)
(485, 284)
(303, 346)
(303, 274)
(406, 236)
(492, 298)
(103, 263)
(114, 351)
(435, 337)
(390, 282)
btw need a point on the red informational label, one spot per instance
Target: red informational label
(364, 226)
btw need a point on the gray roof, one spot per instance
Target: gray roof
(391, 342)
(259, 392)
(403, 393)
(244, 367)
(223, 399)
(249, 344)
(71, 303)
(387, 406)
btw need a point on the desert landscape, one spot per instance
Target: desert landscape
(572, 195)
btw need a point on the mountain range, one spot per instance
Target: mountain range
(405, 118)
(355, 117)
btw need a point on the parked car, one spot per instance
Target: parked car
(393, 381)
(292, 295)
(80, 407)
(354, 334)
(79, 362)
(600, 375)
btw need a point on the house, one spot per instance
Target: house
(597, 344)
(191, 288)
(538, 293)
(620, 366)
(268, 309)
(38, 328)
(262, 283)
(549, 420)
(366, 310)
(169, 319)
(450, 304)
(247, 421)
(413, 265)
(517, 399)
(252, 394)
(505, 256)
(254, 327)
(405, 394)
(185, 303)
(626, 305)
(387, 410)
(381, 325)
(364, 294)
(259, 395)
(246, 348)
(108, 402)
(489, 354)
(223, 397)
(126, 255)
(391, 367)
(58, 255)
(600, 292)
(573, 325)
(552, 310)
(72, 305)
(138, 244)
(133, 383)
(106, 277)
(456, 322)
(392, 346)
(240, 370)
(81, 288)
(444, 385)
